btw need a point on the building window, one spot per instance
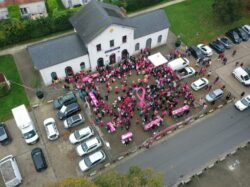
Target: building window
(124, 39)
(82, 65)
(137, 47)
(159, 38)
(112, 43)
(98, 47)
(24, 11)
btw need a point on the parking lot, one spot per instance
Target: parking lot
(60, 154)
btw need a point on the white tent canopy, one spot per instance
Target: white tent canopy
(157, 59)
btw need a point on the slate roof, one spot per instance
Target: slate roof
(149, 23)
(56, 51)
(95, 17)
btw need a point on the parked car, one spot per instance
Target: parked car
(38, 159)
(233, 35)
(200, 83)
(206, 50)
(243, 103)
(73, 121)
(64, 100)
(214, 95)
(186, 72)
(80, 135)
(51, 129)
(91, 160)
(88, 146)
(241, 75)
(196, 52)
(225, 42)
(217, 46)
(4, 134)
(246, 28)
(178, 64)
(69, 110)
(244, 36)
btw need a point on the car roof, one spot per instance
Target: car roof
(92, 141)
(96, 156)
(85, 130)
(241, 71)
(218, 91)
(51, 129)
(76, 117)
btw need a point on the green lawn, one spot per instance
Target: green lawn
(17, 95)
(193, 20)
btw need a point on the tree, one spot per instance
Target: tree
(73, 182)
(228, 10)
(134, 177)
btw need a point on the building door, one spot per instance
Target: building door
(69, 71)
(112, 59)
(148, 43)
(100, 62)
(125, 54)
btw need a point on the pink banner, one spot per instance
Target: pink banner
(180, 110)
(155, 122)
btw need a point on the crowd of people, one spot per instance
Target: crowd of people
(163, 92)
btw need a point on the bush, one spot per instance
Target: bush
(14, 12)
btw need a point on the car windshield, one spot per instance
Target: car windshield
(77, 135)
(60, 100)
(53, 136)
(84, 147)
(29, 134)
(69, 121)
(245, 101)
(224, 40)
(246, 77)
(212, 94)
(87, 161)
(2, 131)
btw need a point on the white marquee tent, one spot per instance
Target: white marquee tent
(157, 59)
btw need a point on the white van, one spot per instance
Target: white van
(178, 64)
(242, 76)
(10, 172)
(25, 124)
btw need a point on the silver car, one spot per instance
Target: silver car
(73, 121)
(88, 146)
(214, 95)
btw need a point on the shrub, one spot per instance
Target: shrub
(14, 12)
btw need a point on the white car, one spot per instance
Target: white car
(200, 83)
(91, 160)
(214, 95)
(51, 129)
(243, 103)
(241, 75)
(88, 146)
(246, 28)
(81, 135)
(206, 50)
(186, 72)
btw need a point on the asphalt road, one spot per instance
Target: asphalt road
(195, 146)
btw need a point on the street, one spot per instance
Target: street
(194, 146)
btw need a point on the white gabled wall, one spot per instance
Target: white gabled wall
(35, 8)
(60, 68)
(3, 13)
(113, 32)
(142, 41)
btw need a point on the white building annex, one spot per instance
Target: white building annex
(103, 35)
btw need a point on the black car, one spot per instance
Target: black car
(225, 42)
(196, 52)
(69, 110)
(4, 135)
(38, 159)
(217, 46)
(242, 34)
(233, 35)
